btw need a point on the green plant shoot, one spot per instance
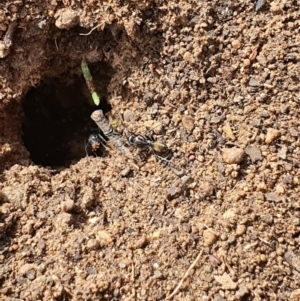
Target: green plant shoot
(89, 82)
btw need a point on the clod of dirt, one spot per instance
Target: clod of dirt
(128, 115)
(240, 230)
(274, 197)
(292, 259)
(233, 155)
(226, 282)
(242, 292)
(4, 49)
(66, 18)
(68, 205)
(205, 189)
(63, 220)
(271, 135)
(295, 295)
(209, 237)
(230, 214)
(236, 44)
(253, 152)
(228, 131)
(188, 122)
(282, 152)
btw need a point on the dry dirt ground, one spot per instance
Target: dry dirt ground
(218, 83)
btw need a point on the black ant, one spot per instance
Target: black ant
(147, 142)
(94, 142)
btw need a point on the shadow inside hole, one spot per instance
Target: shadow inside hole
(57, 117)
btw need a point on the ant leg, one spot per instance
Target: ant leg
(86, 148)
(163, 159)
(102, 141)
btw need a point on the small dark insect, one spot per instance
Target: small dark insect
(94, 142)
(146, 142)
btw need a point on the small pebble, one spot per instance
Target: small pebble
(292, 259)
(92, 244)
(205, 189)
(209, 238)
(68, 205)
(253, 152)
(271, 135)
(282, 152)
(236, 44)
(243, 291)
(228, 131)
(230, 214)
(122, 265)
(240, 230)
(128, 115)
(188, 122)
(63, 219)
(66, 18)
(125, 172)
(233, 155)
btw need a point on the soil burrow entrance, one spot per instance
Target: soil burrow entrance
(57, 113)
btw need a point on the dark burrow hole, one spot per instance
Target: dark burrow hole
(57, 121)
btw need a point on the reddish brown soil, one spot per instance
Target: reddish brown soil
(218, 82)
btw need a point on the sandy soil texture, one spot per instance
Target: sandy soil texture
(216, 218)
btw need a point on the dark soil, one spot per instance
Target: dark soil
(218, 83)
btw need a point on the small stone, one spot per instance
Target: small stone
(141, 242)
(28, 269)
(92, 244)
(125, 172)
(274, 197)
(173, 192)
(91, 270)
(271, 135)
(104, 237)
(187, 180)
(66, 18)
(188, 122)
(68, 205)
(236, 44)
(233, 155)
(253, 152)
(292, 259)
(282, 152)
(240, 230)
(209, 238)
(63, 219)
(218, 297)
(263, 258)
(4, 49)
(243, 291)
(230, 214)
(294, 132)
(226, 282)
(228, 131)
(254, 83)
(157, 274)
(295, 295)
(122, 265)
(296, 222)
(128, 115)
(259, 4)
(41, 245)
(205, 189)
(231, 239)
(188, 57)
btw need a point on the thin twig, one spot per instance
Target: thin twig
(87, 34)
(185, 275)
(103, 124)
